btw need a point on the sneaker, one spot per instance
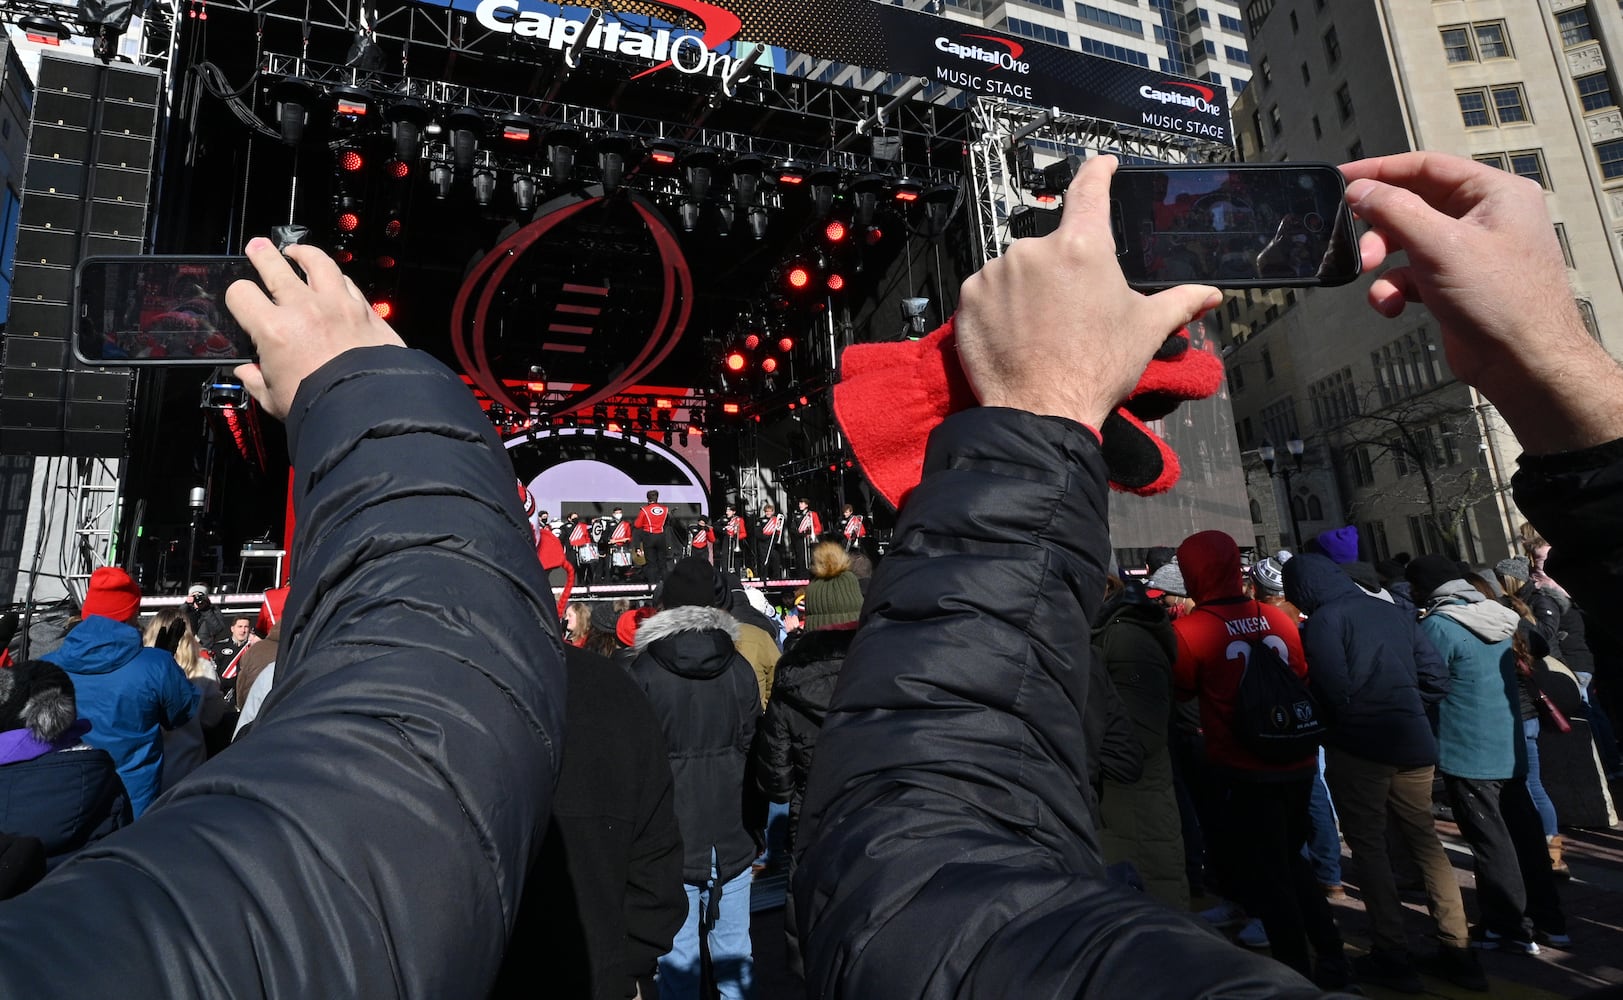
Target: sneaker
(1224, 914)
(1491, 940)
(1552, 940)
(1389, 969)
(1459, 966)
(1335, 893)
(1252, 935)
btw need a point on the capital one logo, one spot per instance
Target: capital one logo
(686, 52)
(1006, 56)
(1200, 98)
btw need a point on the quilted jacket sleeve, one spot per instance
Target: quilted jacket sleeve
(367, 838)
(949, 850)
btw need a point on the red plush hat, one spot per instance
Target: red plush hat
(270, 609)
(890, 396)
(625, 627)
(112, 594)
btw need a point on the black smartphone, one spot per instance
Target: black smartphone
(1240, 225)
(159, 310)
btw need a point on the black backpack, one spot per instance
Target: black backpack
(1275, 715)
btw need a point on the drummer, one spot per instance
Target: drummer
(620, 544)
(582, 550)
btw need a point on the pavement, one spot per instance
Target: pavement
(1592, 899)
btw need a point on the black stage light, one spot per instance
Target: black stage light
(865, 192)
(524, 192)
(44, 29)
(822, 183)
(725, 214)
(747, 172)
(520, 130)
(612, 152)
(689, 213)
(484, 186)
(406, 119)
(906, 189)
(467, 127)
(758, 222)
(441, 177)
(791, 173)
(294, 98)
(350, 104)
(699, 167)
(939, 202)
(561, 146)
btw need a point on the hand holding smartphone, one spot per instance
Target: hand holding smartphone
(159, 310)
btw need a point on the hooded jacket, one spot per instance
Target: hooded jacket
(1372, 672)
(707, 701)
(1214, 645)
(130, 694)
(66, 792)
(1479, 732)
(788, 736)
(948, 847)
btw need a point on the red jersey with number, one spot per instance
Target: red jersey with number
(652, 518)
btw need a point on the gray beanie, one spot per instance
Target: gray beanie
(1517, 568)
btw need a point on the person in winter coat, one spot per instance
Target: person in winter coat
(1268, 580)
(1140, 818)
(1265, 822)
(1482, 757)
(130, 693)
(707, 701)
(53, 785)
(605, 898)
(209, 729)
(1375, 677)
(392, 794)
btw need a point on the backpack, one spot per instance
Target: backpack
(1275, 715)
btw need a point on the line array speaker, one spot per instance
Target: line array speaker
(88, 184)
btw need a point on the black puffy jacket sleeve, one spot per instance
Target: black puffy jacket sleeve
(1575, 500)
(949, 847)
(371, 836)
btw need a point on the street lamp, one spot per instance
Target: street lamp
(1295, 447)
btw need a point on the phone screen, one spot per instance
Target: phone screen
(159, 310)
(1237, 226)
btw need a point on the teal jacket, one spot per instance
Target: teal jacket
(1479, 732)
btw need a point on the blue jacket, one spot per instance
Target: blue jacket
(1373, 672)
(1479, 725)
(130, 694)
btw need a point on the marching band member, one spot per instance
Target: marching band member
(582, 549)
(807, 527)
(854, 529)
(650, 528)
(620, 543)
(773, 543)
(736, 530)
(702, 539)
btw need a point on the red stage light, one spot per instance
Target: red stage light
(536, 386)
(752, 341)
(400, 168)
(835, 231)
(735, 362)
(906, 194)
(875, 234)
(803, 401)
(791, 179)
(836, 283)
(791, 406)
(386, 262)
(351, 161)
(384, 308)
(516, 133)
(786, 344)
(663, 157)
(1047, 198)
(729, 407)
(615, 428)
(352, 107)
(664, 404)
(343, 256)
(799, 277)
(769, 365)
(392, 228)
(348, 222)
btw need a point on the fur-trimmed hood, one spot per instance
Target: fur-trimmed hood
(689, 641)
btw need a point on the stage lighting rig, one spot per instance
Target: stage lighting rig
(613, 151)
(294, 98)
(699, 169)
(663, 153)
(865, 191)
(441, 177)
(835, 231)
(578, 47)
(524, 192)
(484, 186)
(350, 161)
(467, 127)
(758, 222)
(791, 172)
(915, 311)
(519, 130)
(44, 29)
(747, 172)
(939, 203)
(906, 190)
(561, 145)
(725, 214)
(350, 106)
(688, 212)
(822, 182)
(407, 118)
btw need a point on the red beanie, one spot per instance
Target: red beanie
(112, 595)
(270, 609)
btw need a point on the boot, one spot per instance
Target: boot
(1557, 865)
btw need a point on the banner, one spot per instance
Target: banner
(703, 38)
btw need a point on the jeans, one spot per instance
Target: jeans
(1535, 785)
(1376, 798)
(777, 835)
(725, 926)
(1324, 842)
(1515, 886)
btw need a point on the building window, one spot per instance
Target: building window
(1529, 163)
(1235, 55)
(1318, 130)
(1474, 108)
(1110, 19)
(1054, 36)
(1375, 534)
(1400, 458)
(1094, 47)
(1595, 91)
(1256, 123)
(1298, 509)
(1457, 45)
(1236, 380)
(1239, 85)
(1315, 509)
(1344, 103)
(1566, 248)
(1574, 25)
(1610, 155)
(1332, 46)
(1492, 160)
(1233, 24)
(1256, 512)
(1509, 104)
(1233, 306)
(1490, 40)
(1246, 434)
(1267, 72)
(1267, 364)
(1275, 119)
(1307, 77)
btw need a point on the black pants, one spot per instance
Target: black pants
(772, 559)
(585, 572)
(1264, 827)
(1515, 886)
(654, 552)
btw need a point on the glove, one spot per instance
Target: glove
(890, 396)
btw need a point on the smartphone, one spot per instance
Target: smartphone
(1239, 225)
(159, 310)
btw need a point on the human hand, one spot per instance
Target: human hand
(1483, 258)
(1051, 326)
(302, 324)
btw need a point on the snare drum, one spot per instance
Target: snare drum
(622, 556)
(587, 553)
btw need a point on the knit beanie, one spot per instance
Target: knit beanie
(1269, 575)
(605, 618)
(1340, 544)
(1428, 573)
(112, 595)
(833, 597)
(1169, 580)
(693, 582)
(38, 696)
(1517, 568)
(625, 628)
